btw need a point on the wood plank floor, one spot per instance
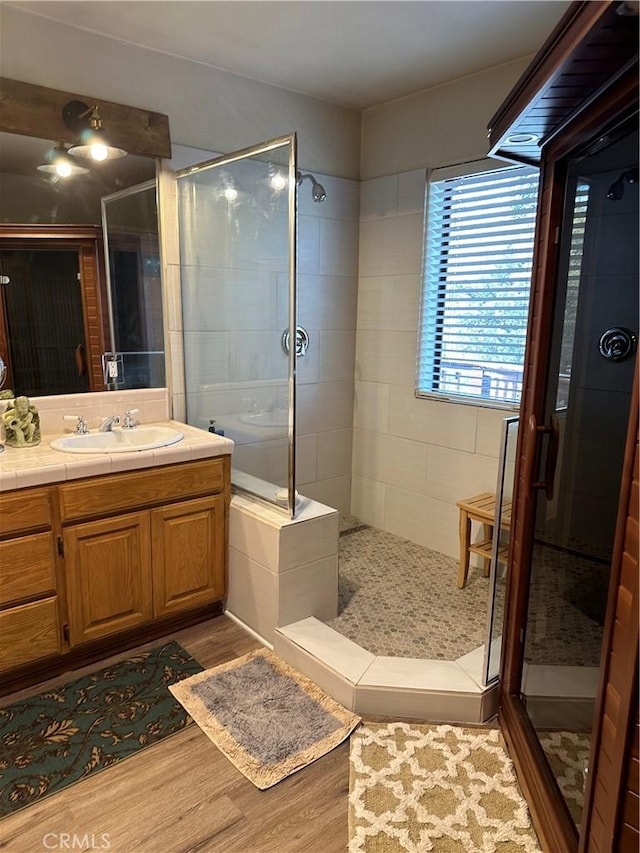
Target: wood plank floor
(183, 795)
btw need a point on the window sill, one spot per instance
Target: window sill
(478, 402)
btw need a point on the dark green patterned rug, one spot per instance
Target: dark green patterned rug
(65, 734)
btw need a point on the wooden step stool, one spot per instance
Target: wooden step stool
(481, 508)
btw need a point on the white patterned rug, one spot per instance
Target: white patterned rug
(568, 754)
(416, 788)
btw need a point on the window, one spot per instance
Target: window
(477, 276)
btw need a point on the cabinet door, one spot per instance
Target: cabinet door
(108, 565)
(189, 559)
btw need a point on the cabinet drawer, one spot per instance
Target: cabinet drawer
(26, 567)
(29, 632)
(24, 510)
(136, 489)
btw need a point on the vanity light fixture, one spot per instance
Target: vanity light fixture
(59, 162)
(87, 122)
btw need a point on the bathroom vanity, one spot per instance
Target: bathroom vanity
(91, 564)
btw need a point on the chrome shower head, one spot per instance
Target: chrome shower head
(317, 191)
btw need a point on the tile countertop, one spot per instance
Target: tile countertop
(21, 467)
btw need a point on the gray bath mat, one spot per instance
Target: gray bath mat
(265, 717)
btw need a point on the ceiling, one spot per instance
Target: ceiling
(358, 53)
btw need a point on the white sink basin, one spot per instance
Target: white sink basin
(118, 440)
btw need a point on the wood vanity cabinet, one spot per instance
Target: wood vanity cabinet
(29, 606)
(132, 550)
(126, 568)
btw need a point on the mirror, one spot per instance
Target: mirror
(132, 260)
(48, 264)
(38, 198)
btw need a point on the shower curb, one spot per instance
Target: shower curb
(373, 685)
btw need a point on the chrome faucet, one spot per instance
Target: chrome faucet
(81, 424)
(129, 421)
(108, 423)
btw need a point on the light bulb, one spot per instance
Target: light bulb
(231, 194)
(59, 163)
(63, 168)
(99, 151)
(278, 181)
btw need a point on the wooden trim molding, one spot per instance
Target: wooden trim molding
(19, 233)
(550, 208)
(94, 321)
(549, 812)
(37, 111)
(616, 709)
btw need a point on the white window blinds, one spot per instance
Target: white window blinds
(477, 276)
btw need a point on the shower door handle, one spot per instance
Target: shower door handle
(537, 431)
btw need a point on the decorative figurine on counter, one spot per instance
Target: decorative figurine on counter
(21, 423)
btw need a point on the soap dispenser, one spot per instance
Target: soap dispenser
(212, 428)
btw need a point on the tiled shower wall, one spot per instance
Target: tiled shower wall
(412, 458)
(327, 295)
(588, 470)
(327, 291)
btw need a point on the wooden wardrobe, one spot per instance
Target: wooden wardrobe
(574, 113)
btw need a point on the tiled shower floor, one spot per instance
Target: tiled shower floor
(399, 599)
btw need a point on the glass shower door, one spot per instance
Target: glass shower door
(578, 476)
(500, 550)
(237, 221)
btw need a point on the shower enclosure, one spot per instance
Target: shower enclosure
(237, 216)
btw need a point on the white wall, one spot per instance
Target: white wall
(327, 294)
(207, 108)
(414, 458)
(436, 127)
